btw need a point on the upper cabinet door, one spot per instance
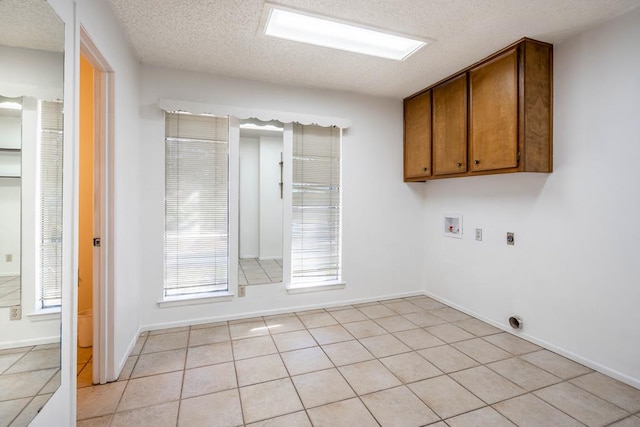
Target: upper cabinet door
(450, 127)
(417, 137)
(493, 124)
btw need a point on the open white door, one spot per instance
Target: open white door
(104, 369)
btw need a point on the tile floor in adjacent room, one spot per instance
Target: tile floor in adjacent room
(254, 271)
(9, 291)
(404, 362)
(28, 378)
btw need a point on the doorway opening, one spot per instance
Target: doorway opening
(95, 217)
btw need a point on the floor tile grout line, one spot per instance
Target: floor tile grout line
(549, 372)
(184, 375)
(24, 408)
(526, 391)
(509, 418)
(334, 367)
(126, 383)
(586, 391)
(387, 332)
(235, 369)
(446, 374)
(560, 380)
(557, 408)
(401, 382)
(593, 394)
(359, 397)
(137, 359)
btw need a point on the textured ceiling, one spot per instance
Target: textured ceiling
(224, 37)
(31, 24)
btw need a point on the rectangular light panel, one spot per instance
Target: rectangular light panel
(320, 31)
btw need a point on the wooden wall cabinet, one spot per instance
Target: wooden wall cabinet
(417, 137)
(450, 127)
(493, 117)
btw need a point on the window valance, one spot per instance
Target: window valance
(246, 113)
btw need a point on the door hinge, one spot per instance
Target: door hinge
(96, 242)
(518, 157)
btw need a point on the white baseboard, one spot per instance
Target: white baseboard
(156, 326)
(633, 382)
(123, 360)
(9, 274)
(29, 342)
(165, 325)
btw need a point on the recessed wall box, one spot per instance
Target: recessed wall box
(452, 226)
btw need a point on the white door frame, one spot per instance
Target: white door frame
(104, 368)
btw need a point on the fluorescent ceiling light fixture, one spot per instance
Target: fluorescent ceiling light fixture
(11, 105)
(189, 113)
(259, 127)
(326, 32)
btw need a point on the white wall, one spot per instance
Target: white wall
(249, 197)
(30, 72)
(382, 252)
(270, 201)
(573, 272)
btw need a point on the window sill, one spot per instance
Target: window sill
(195, 299)
(44, 315)
(332, 286)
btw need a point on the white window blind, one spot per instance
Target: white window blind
(315, 233)
(51, 144)
(196, 245)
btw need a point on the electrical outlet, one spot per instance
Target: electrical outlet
(8, 257)
(510, 239)
(15, 312)
(479, 234)
(242, 292)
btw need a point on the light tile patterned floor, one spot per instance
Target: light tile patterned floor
(254, 271)
(9, 291)
(405, 362)
(28, 378)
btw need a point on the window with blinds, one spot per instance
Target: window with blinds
(51, 145)
(315, 228)
(196, 240)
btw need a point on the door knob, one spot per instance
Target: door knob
(425, 168)
(459, 164)
(475, 162)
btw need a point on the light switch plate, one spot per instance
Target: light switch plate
(479, 234)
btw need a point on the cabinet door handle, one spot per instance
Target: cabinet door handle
(475, 162)
(459, 164)
(425, 168)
